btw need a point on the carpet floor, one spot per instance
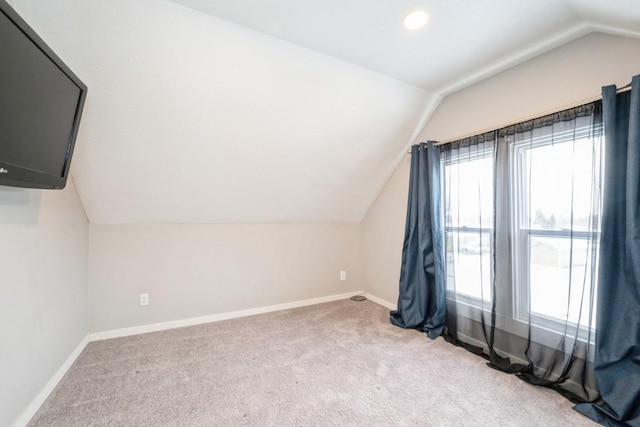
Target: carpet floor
(335, 364)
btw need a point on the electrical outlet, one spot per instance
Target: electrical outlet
(144, 299)
(343, 275)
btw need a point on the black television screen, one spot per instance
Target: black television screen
(41, 103)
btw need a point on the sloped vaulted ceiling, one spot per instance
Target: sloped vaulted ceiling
(216, 111)
(193, 119)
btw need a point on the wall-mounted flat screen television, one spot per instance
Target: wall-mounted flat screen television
(41, 102)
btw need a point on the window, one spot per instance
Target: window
(550, 212)
(468, 182)
(556, 188)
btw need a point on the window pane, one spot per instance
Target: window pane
(561, 179)
(469, 263)
(557, 200)
(560, 278)
(469, 193)
(468, 178)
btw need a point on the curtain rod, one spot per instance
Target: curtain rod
(545, 113)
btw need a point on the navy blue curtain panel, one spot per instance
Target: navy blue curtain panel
(422, 299)
(617, 357)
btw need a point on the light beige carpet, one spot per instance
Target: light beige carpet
(334, 364)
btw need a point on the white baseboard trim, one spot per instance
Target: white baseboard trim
(155, 327)
(36, 403)
(380, 301)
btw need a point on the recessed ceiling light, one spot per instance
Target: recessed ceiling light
(415, 20)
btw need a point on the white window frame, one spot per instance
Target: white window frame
(523, 234)
(511, 316)
(460, 297)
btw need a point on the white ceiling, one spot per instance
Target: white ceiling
(198, 118)
(464, 38)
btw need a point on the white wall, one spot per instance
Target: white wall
(43, 290)
(198, 270)
(193, 119)
(569, 74)
(383, 235)
(563, 76)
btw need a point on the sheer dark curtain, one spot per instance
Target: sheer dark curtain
(467, 170)
(522, 227)
(617, 356)
(421, 303)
